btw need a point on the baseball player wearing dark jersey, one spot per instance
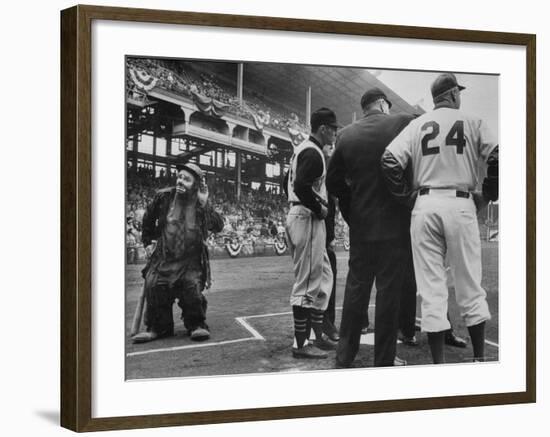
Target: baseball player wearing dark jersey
(443, 148)
(305, 227)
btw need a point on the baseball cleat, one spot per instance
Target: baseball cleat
(325, 343)
(200, 334)
(144, 337)
(309, 351)
(453, 340)
(409, 341)
(399, 362)
(330, 330)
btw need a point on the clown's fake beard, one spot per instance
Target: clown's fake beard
(185, 196)
(184, 205)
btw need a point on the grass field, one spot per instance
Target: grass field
(251, 324)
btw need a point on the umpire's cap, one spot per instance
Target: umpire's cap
(444, 82)
(372, 95)
(194, 169)
(323, 116)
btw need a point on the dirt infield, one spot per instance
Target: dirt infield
(251, 324)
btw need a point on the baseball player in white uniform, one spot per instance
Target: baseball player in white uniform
(443, 148)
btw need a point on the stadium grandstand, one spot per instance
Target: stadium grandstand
(239, 122)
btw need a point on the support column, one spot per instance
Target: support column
(263, 185)
(168, 145)
(135, 150)
(238, 165)
(154, 153)
(187, 118)
(240, 80)
(308, 106)
(354, 117)
(231, 127)
(282, 175)
(168, 155)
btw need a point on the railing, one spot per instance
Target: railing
(231, 116)
(209, 135)
(220, 138)
(248, 146)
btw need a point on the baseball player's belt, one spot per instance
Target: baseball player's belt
(459, 193)
(295, 203)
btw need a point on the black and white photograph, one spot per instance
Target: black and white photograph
(275, 218)
(295, 218)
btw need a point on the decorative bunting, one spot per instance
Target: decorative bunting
(261, 119)
(143, 80)
(209, 106)
(233, 248)
(280, 246)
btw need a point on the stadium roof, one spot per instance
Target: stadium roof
(339, 88)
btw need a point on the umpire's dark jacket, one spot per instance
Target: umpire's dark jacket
(354, 176)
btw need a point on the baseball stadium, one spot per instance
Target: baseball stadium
(240, 122)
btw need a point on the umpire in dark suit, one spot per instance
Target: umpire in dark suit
(377, 227)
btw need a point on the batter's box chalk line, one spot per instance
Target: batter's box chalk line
(367, 339)
(255, 335)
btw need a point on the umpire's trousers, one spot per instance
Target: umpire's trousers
(407, 309)
(383, 261)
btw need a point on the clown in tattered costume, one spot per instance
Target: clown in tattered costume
(175, 228)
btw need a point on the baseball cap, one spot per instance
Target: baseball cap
(323, 116)
(444, 82)
(372, 95)
(194, 169)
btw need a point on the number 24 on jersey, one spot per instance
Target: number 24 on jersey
(455, 137)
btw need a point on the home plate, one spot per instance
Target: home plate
(368, 338)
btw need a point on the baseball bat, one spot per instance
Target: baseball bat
(138, 314)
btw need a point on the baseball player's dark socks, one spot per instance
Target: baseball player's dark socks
(300, 324)
(316, 318)
(436, 340)
(477, 335)
(308, 326)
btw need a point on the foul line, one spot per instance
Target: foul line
(242, 321)
(189, 346)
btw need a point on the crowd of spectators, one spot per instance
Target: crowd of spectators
(185, 81)
(140, 190)
(258, 216)
(255, 214)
